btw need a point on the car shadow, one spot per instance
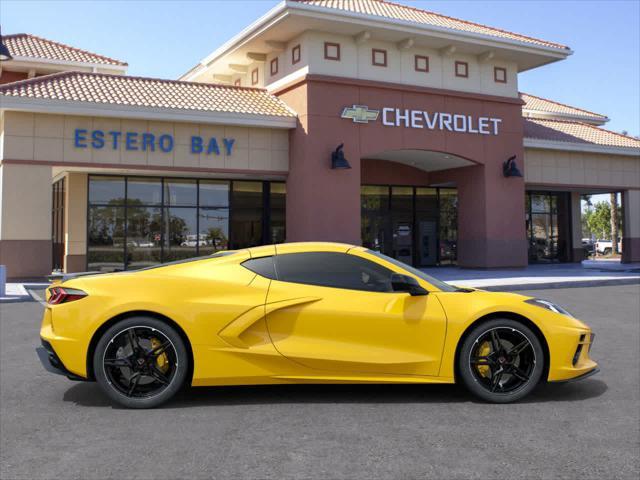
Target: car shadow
(88, 394)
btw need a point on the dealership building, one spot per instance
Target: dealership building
(365, 122)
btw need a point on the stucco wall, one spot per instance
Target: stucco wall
(50, 138)
(554, 167)
(356, 62)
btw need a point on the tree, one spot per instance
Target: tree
(614, 222)
(598, 220)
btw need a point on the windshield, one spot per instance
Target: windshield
(445, 287)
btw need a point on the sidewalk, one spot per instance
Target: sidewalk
(19, 292)
(564, 275)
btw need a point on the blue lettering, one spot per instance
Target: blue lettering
(115, 136)
(97, 139)
(228, 144)
(165, 142)
(213, 146)
(131, 141)
(148, 140)
(80, 137)
(196, 144)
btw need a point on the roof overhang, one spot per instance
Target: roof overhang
(67, 107)
(581, 147)
(288, 20)
(24, 64)
(528, 113)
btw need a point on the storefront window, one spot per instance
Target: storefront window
(277, 216)
(136, 222)
(247, 214)
(448, 231)
(416, 225)
(106, 190)
(106, 238)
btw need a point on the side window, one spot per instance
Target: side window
(263, 266)
(338, 270)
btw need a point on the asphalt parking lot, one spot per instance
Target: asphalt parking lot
(54, 428)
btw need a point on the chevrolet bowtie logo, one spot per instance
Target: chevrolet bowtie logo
(360, 114)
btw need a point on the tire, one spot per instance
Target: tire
(140, 362)
(607, 251)
(501, 375)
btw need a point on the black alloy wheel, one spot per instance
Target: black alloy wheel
(140, 362)
(501, 361)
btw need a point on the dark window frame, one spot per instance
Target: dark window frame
(465, 65)
(326, 51)
(496, 78)
(417, 58)
(296, 54)
(374, 51)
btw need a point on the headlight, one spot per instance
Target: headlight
(548, 305)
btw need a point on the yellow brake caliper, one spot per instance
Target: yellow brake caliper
(483, 351)
(161, 360)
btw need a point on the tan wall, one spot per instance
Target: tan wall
(356, 62)
(632, 213)
(25, 200)
(43, 137)
(76, 213)
(553, 167)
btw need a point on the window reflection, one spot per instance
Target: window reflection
(144, 191)
(105, 240)
(144, 235)
(136, 222)
(214, 230)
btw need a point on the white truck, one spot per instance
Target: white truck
(605, 247)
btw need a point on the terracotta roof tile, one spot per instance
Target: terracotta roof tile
(395, 11)
(545, 105)
(575, 132)
(148, 92)
(31, 46)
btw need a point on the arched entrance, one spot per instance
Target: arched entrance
(403, 214)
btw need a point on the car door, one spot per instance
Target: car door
(339, 314)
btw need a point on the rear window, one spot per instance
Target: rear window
(263, 266)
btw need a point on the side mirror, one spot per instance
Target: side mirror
(405, 283)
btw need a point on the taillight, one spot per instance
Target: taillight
(65, 295)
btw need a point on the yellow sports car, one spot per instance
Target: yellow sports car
(302, 313)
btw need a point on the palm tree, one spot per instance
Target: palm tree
(614, 223)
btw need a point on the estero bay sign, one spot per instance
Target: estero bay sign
(136, 141)
(403, 117)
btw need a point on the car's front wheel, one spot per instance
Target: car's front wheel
(140, 362)
(501, 361)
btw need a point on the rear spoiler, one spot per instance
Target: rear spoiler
(56, 278)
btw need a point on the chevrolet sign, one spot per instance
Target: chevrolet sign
(360, 114)
(402, 117)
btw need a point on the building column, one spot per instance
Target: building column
(75, 221)
(631, 239)
(491, 219)
(577, 252)
(25, 220)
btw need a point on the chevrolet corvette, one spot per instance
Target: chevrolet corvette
(302, 313)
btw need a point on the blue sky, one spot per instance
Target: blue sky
(166, 38)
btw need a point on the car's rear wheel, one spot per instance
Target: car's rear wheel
(140, 362)
(501, 361)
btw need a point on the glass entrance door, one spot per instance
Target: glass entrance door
(57, 225)
(548, 229)
(416, 225)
